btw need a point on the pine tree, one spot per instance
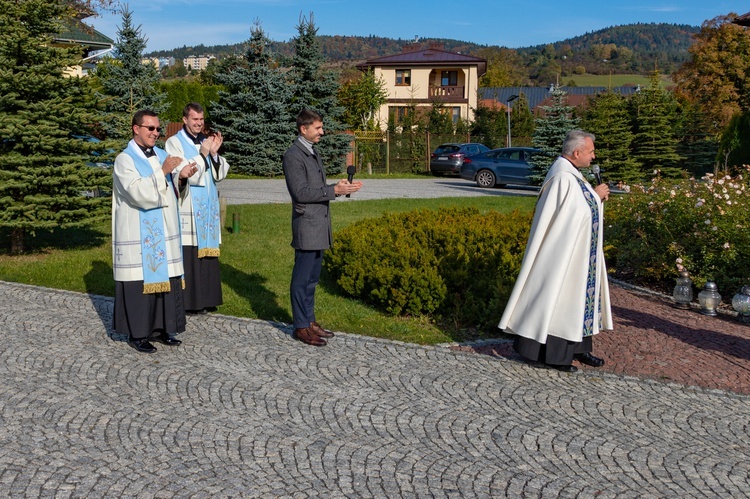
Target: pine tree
(521, 121)
(438, 120)
(655, 142)
(490, 127)
(316, 88)
(253, 112)
(127, 85)
(550, 132)
(43, 168)
(608, 118)
(697, 144)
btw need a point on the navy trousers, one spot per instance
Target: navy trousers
(305, 277)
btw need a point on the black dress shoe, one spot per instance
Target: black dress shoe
(589, 360)
(565, 369)
(169, 340)
(144, 346)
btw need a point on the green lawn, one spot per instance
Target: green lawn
(256, 265)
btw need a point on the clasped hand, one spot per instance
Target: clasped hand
(173, 162)
(212, 145)
(343, 186)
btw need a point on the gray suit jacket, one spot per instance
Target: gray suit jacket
(306, 182)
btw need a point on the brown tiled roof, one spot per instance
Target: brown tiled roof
(743, 20)
(427, 57)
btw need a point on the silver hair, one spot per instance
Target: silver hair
(574, 141)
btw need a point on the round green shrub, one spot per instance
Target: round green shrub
(454, 263)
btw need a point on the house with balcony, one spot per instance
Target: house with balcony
(421, 76)
(77, 33)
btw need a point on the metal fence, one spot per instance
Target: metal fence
(405, 152)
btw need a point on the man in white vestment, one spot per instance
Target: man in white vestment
(561, 297)
(199, 210)
(146, 248)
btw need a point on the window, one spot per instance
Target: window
(397, 113)
(472, 149)
(403, 77)
(514, 154)
(448, 78)
(455, 114)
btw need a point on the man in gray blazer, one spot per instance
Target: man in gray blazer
(311, 223)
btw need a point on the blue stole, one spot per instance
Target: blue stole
(153, 245)
(205, 206)
(591, 307)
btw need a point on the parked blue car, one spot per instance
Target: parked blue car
(498, 167)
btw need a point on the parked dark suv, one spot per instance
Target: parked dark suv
(448, 158)
(507, 165)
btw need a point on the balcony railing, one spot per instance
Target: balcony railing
(453, 92)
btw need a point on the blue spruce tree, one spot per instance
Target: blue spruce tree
(253, 112)
(550, 132)
(317, 88)
(126, 84)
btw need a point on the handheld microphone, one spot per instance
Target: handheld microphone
(597, 173)
(350, 171)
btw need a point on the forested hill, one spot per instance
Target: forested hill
(334, 48)
(633, 48)
(630, 48)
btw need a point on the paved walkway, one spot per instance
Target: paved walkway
(274, 190)
(242, 410)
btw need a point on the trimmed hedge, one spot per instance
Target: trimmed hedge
(454, 263)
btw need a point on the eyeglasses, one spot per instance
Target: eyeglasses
(151, 128)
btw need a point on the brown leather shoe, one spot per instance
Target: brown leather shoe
(307, 335)
(318, 330)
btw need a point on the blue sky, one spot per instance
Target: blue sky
(173, 23)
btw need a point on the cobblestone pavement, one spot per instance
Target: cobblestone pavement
(242, 410)
(652, 339)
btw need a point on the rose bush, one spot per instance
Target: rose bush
(697, 225)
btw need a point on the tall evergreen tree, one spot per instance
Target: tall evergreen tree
(253, 112)
(608, 118)
(42, 166)
(127, 85)
(655, 142)
(438, 120)
(521, 121)
(490, 126)
(317, 88)
(698, 144)
(550, 132)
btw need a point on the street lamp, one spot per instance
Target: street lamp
(507, 108)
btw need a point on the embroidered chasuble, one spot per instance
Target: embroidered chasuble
(562, 288)
(205, 204)
(145, 221)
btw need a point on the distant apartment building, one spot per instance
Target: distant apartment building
(197, 62)
(150, 61)
(166, 62)
(158, 62)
